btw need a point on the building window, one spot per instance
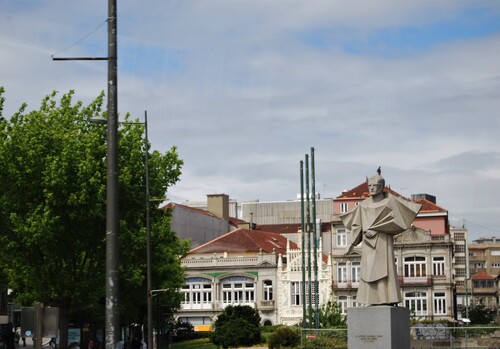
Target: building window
(459, 236)
(355, 269)
(460, 272)
(342, 301)
(416, 302)
(415, 267)
(354, 302)
(238, 290)
(478, 265)
(341, 273)
(197, 291)
(268, 290)
(460, 260)
(459, 248)
(344, 207)
(438, 266)
(482, 283)
(495, 265)
(296, 292)
(341, 238)
(439, 303)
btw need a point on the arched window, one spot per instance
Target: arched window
(438, 266)
(238, 290)
(416, 302)
(342, 301)
(439, 303)
(197, 290)
(415, 266)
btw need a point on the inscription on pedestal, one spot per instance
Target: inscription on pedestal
(381, 327)
(369, 338)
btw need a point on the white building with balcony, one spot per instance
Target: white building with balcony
(248, 267)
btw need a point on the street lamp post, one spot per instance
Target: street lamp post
(112, 312)
(148, 239)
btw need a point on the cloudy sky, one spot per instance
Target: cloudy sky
(245, 88)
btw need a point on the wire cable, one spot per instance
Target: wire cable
(82, 39)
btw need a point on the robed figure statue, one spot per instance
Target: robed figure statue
(374, 222)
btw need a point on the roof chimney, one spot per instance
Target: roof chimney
(218, 204)
(416, 197)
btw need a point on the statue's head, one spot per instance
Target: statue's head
(376, 184)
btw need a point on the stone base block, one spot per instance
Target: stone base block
(378, 327)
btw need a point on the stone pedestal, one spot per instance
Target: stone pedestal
(378, 327)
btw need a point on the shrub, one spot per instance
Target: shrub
(284, 337)
(237, 326)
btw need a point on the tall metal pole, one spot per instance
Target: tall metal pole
(148, 237)
(303, 247)
(308, 227)
(315, 233)
(112, 320)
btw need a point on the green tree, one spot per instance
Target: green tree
(479, 315)
(284, 337)
(330, 316)
(237, 326)
(52, 212)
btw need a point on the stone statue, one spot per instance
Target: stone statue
(374, 222)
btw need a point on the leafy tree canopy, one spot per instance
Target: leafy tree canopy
(53, 207)
(237, 326)
(479, 314)
(330, 316)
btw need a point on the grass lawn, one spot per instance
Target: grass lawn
(202, 343)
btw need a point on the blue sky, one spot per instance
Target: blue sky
(245, 88)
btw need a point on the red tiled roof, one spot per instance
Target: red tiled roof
(279, 228)
(245, 240)
(232, 220)
(482, 275)
(289, 228)
(172, 205)
(428, 206)
(361, 192)
(235, 221)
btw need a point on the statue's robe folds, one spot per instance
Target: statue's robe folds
(391, 216)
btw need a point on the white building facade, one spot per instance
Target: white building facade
(264, 279)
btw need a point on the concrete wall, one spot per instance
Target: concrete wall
(200, 228)
(283, 212)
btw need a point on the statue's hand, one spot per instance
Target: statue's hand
(370, 233)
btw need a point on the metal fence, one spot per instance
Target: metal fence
(422, 335)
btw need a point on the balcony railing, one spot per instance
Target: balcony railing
(484, 290)
(196, 306)
(345, 285)
(419, 280)
(226, 262)
(266, 305)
